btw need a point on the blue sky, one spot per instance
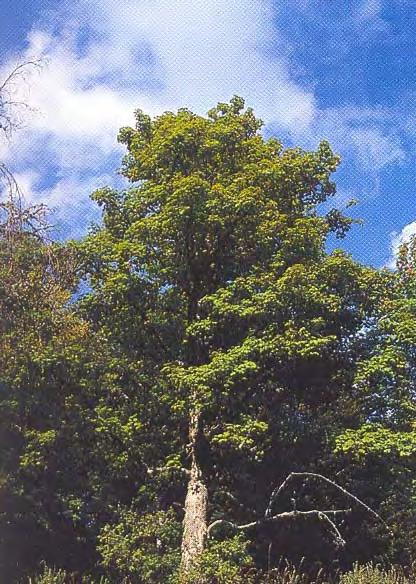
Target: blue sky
(312, 69)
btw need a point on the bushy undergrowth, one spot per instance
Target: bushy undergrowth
(367, 574)
(55, 576)
(226, 562)
(375, 575)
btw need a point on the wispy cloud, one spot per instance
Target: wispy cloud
(370, 135)
(369, 10)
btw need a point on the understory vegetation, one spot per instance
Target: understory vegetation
(364, 574)
(199, 390)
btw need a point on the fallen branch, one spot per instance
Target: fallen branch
(327, 517)
(308, 475)
(323, 516)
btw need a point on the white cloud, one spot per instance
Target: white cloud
(369, 22)
(207, 51)
(155, 55)
(165, 54)
(398, 239)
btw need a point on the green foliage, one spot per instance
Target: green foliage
(141, 548)
(225, 562)
(50, 576)
(209, 292)
(375, 438)
(44, 348)
(56, 576)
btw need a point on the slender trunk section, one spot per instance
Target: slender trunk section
(196, 503)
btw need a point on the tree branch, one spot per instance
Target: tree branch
(311, 475)
(20, 70)
(323, 516)
(161, 469)
(327, 517)
(10, 107)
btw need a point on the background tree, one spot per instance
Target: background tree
(43, 356)
(43, 407)
(381, 440)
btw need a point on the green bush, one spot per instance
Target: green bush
(289, 574)
(224, 562)
(141, 548)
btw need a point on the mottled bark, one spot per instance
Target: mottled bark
(196, 503)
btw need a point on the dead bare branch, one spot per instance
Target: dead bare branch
(19, 70)
(17, 219)
(323, 516)
(327, 517)
(310, 475)
(11, 106)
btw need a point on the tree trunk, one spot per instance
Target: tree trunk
(196, 503)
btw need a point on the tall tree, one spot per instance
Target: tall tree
(210, 277)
